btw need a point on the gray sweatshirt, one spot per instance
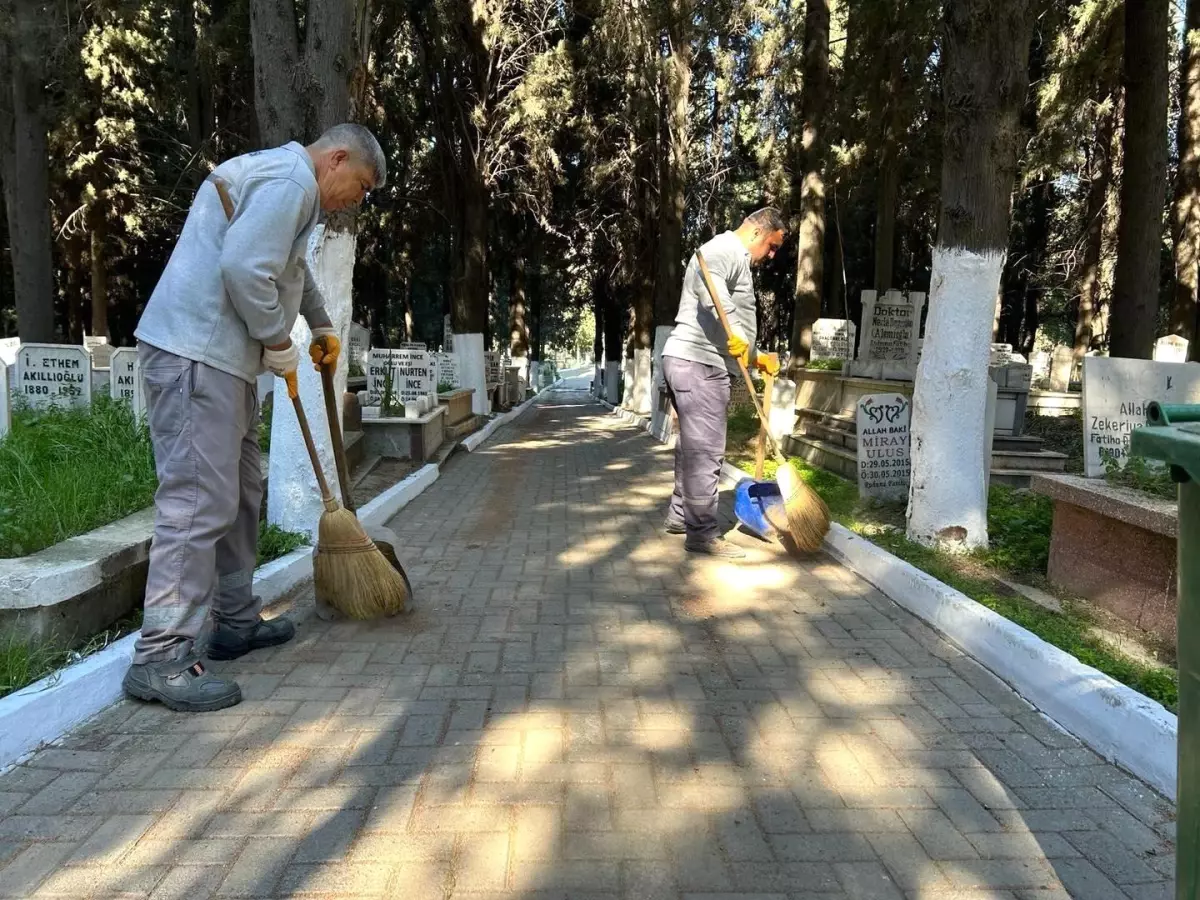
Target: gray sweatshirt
(232, 286)
(698, 335)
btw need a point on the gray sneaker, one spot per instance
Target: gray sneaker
(718, 547)
(673, 527)
(184, 685)
(226, 643)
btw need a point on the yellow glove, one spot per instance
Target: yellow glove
(767, 362)
(325, 348)
(738, 348)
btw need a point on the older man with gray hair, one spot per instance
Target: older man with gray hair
(221, 314)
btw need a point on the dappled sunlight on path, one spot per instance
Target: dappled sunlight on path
(577, 708)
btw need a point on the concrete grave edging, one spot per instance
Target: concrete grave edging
(1121, 725)
(46, 710)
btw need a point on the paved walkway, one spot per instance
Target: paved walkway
(578, 709)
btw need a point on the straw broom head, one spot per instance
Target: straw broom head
(349, 572)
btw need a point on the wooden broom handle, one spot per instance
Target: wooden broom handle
(293, 389)
(712, 293)
(335, 435)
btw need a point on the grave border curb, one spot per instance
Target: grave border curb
(1122, 726)
(44, 712)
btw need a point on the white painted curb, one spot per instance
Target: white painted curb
(45, 711)
(1118, 723)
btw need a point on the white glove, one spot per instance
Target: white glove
(281, 361)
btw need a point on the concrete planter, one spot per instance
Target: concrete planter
(417, 439)
(79, 586)
(1115, 547)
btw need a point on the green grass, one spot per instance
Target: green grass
(1141, 475)
(66, 471)
(274, 542)
(22, 664)
(1019, 532)
(264, 424)
(825, 365)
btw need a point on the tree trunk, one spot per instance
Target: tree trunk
(1143, 181)
(614, 322)
(99, 267)
(598, 339)
(673, 193)
(986, 55)
(535, 293)
(276, 44)
(1101, 172)
(518, 332)
(1185, 212)
(470, 312)
(888, 191)
(24, 166)
(810, 254)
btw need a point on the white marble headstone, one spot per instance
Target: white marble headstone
(884, 458)
(97, 347)
(891, 341)
(447, 369)
(413, 375)
(8, 350)
(359, 344)
(493, 363)
(125, 382)
(1171, 348)
(1116, 396)
(832, 339)
(49, 374)
(413, 345)
(1062, 366)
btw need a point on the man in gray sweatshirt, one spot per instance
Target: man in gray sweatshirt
(698, 361)
(221, 314)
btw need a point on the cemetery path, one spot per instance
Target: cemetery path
(578, 709)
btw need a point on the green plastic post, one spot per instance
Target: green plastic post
(1173, 436)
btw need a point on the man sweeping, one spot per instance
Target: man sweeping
(221, 314)
(698, 361)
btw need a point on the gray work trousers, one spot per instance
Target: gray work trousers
(700, 394)
(204, 428)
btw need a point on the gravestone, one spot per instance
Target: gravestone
(49, 374)
(1116, 394)
(1171, 348)
(884, 463)
(1062, 365)
(381, 362)
(125, 382)
(413, 345)
(832, 339)
(493, 364)
(447, 369)
(739, 394)
(5, 402)
(447, 336)
(8, 350)
(413, 378)
(892, 338)
(98, 350)
(359, 344)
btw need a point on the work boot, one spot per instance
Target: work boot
(184, 685)
(674, 527)
(718, 547)
(226, 643)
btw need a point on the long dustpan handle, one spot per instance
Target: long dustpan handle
(293, 389)
(712, 293)
(335, 436)
(768, 384)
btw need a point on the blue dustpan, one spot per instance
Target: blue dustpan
(751, 501)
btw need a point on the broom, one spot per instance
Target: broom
(807, 515)
(383, 538)
(349, 573)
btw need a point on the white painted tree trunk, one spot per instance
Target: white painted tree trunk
(612, 382)
(947, 502)
(472, 370)
(639, 384)
(657, 411)
(598, 382)
(294, 500)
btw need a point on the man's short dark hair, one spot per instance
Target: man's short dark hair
(768, 218)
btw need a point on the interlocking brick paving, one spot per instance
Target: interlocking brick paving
(578, 709)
